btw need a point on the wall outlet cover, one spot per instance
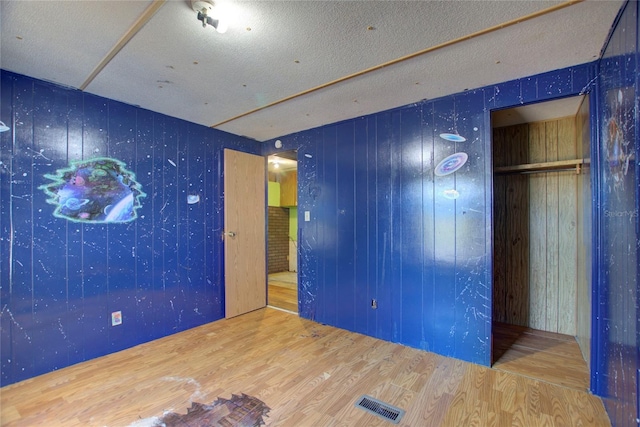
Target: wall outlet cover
(116, 318)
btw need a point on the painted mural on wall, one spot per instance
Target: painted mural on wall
(452, 163)
(618, 136)
(98, 190)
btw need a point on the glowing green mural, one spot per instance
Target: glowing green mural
(98, 190)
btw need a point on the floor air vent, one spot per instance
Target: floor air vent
(381, 409)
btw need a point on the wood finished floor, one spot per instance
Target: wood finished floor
(307, 373)
(283, 291)
(550, 357)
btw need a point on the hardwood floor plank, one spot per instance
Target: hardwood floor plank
(415, 372)
(556, 347)
(431, 408)
(282, 290)
(547, 356)
(543, 366)
(283, 297)
(308, 374)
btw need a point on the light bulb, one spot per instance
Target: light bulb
(276, 165)
(222, 26)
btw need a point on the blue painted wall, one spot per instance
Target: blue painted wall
(60, 280)
(616, 254)
(383, 228)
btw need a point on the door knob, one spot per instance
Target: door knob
(231, 234)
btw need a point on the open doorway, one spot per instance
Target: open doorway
(542, 241)
(282, 247)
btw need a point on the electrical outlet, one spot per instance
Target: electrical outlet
(374, 303)
(116, 318)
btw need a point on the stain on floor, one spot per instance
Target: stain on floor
(239, 411)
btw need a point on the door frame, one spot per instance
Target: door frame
(589, 269)
(297, 160)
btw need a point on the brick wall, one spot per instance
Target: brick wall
(278, 246)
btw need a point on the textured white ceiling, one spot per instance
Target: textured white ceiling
(62, 41)
(277, 49)
(277, 164)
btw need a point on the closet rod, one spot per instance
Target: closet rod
(557, 166)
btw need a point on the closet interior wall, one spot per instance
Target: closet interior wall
(536, 232)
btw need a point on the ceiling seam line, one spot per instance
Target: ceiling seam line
(128, 35)
(407, 57)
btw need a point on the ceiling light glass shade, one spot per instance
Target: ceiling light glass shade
(3, 127)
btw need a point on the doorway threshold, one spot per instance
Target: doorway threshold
(283, 309)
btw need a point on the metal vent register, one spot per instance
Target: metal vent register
(381, 409)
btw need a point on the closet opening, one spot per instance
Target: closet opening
(542, 241)
(282, 231)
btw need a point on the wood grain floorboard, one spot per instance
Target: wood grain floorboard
(550, 357)
(282, 297)
(282, 291)
(308, 374)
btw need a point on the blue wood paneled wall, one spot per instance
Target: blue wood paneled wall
(617, 255)
(385, 227)
(61, 280)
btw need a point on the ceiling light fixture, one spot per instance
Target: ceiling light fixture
(208, 15)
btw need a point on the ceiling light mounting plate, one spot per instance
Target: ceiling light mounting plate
(202, 5)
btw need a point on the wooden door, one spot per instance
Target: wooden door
(244, 236)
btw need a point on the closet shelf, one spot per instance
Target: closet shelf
(574, 164)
